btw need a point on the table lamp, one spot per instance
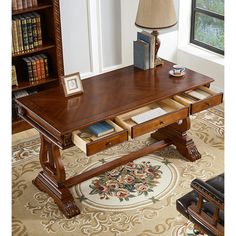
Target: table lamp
(156, 14)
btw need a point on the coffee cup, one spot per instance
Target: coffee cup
(178, 69)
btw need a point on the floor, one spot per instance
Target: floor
(23, 135)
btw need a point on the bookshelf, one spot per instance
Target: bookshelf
(51, 46)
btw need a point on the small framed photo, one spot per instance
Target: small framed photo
(72, 84)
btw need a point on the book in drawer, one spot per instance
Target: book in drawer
(174, 112)
(199, 99)
(91, 144)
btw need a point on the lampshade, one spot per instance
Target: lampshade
(156, 14)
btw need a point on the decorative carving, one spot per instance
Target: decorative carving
(178, 136)
(60, 194)
(58, 40)
(67, 139)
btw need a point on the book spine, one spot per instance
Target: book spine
(24, 3)
(34, 30)
(19, 35)
(24, 33)
(42, 68)
(14, 76)
(14, 34)
(14, 5)
(35, 3)
(39, 31)
(29, 32)
(34, 69)
(29, 3)
(28, 72)
(19, 5)
(45, 59)
(38, 67)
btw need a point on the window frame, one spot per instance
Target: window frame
(192, 30)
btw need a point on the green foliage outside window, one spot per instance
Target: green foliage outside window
(208, 24)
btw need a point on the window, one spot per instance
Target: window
(207, 24)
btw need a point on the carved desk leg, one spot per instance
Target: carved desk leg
(178, 136)
(51, 179)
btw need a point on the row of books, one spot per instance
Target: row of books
(13, 76)
(23, 4)
(144, 50)
(16, 95)
(35, 67)
(26, 32)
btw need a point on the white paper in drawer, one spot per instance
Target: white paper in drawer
(148, 115)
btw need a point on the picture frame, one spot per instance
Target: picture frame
(72, 84)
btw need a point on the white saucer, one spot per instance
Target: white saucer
(171, 72)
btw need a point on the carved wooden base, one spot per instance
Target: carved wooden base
(184, 144)
(61, 195)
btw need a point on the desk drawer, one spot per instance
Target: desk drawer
(174, 112)
(199, 99)
(91, 144)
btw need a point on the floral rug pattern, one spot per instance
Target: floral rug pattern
(35, 213)
(127, 181)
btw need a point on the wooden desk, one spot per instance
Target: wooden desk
(113, 96)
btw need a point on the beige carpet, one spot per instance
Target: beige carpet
(136, 199)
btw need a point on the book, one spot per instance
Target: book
(148, 115)
(150, 39)
(45, 59)
(27, 69)
(19, 34)
(29, 3)
(141, 54)
(24, 33)
(29, 31)
(14, 5)
(19, 5)
(34, 3)
(24, 2)
(14, 36)
(38, 28)
(34, 30)
(13, 76)
(101, 128)
(42, 67)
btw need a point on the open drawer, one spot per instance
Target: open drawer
(199, 99)
(174, 112)
(91, 144)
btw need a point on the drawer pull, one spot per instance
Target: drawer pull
(108, 144)
(207, 103)
(161, 122)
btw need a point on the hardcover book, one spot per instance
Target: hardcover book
(148, 38)
(101, 128)
(141, 54)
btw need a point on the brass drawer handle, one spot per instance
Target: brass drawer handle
(108, 144)
(161, 122)
(207, 103)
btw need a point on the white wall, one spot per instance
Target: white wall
(98, 35)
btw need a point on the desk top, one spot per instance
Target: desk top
(106, 96)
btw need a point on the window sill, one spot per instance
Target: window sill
(203, 53)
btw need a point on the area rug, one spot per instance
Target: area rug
(135, 199)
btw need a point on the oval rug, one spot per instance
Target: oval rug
(136, 184)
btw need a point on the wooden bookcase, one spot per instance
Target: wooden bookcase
(49, 12)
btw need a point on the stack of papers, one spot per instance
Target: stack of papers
(148, 115)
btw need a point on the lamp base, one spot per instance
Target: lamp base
(158, 62)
